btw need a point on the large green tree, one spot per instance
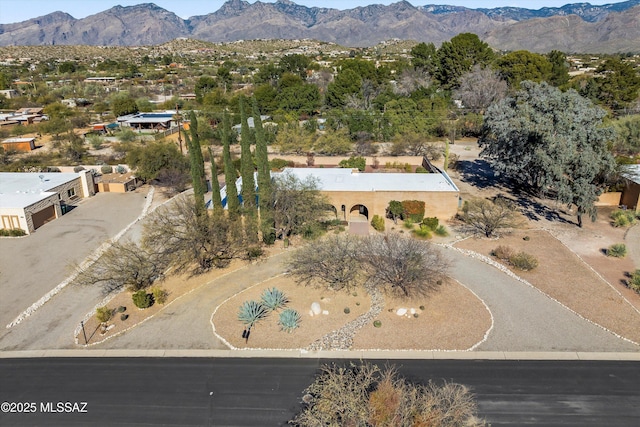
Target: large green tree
(550, 141)
(458, 56)
(248, 181)
(521, 65)
(196, 161)
(265, 194)
(619, 84)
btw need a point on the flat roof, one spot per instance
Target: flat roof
(344, 179)
(22, 189)
(13, 140)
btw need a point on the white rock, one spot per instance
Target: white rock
(315, 307)
(325, 312)
(311, 313)
(412, 311)
(401, 311)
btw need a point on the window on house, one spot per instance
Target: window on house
(71, 192)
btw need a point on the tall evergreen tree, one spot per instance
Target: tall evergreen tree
(233, 205)
(216, 200)
(248, 181)
(197, 163)
(265, 196)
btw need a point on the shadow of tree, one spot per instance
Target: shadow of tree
(479, 174)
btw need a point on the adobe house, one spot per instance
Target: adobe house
(19, 144)
(117, 183)
(631, 192)
(30, 200)
(357, 196)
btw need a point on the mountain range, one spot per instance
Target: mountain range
(579, 27)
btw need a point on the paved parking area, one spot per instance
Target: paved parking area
(31, 266)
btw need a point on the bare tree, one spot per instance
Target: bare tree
(411, 79)
(127, 265)
(332, 261)
(189, 240)
(409, 266)
(359, 395)
(489, 217)
(296, 203)
(480, 88)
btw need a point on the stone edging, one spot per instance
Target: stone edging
(505, 270)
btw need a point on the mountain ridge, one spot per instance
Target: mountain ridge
(611, 27)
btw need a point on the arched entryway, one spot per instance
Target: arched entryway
(359, 213)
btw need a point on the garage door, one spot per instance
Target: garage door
(44, 216)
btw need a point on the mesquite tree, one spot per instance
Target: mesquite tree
(552, 142)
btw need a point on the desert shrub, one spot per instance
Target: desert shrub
(422, 232)
(503, 252)
(254, 252)
(251, 312)
(347, 310)
(431, 222)
(441, 231)
(159, 295)
(124, 317)
(408, 224)
(106, 169)
(415, 315)
(526, 238)
(421, 169)
(273, 299)
(634, 281)
(377, 323)
(623, 218)
(278, 164)
(121, 169)
(413, 209)
(13, 232)
(617, 250)
(377, 223)
(358, 162)
(523, 261)
(289, 320)
(104, 314)
(421, 307)
(121, 309)
(78, 169)
(142, 299)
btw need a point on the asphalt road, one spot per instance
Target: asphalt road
(267, 392)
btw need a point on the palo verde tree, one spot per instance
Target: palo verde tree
(230, 176)
(248, 181)
(265, 196)
(551, 142)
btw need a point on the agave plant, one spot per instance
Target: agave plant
(289, 320)
(273, 299)
(252, 311)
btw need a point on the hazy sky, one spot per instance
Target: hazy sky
(21, 10)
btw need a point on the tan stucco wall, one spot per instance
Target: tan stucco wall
(443, 205)
(19, 212)
(609, 199)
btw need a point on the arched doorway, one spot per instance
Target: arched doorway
(359, 213)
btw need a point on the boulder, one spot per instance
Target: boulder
(401, 311)
(315, 308)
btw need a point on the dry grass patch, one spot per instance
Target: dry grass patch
(565, 277)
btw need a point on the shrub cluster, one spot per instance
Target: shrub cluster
(413, 210)
(623, 218)
(104, 314)
(279, 164)
(520, 260)
(142, 299)
(358, 162)
(377, 222)
(634, 281)
(106, 169)
(617, 250)
(159, 295)
(13, 232)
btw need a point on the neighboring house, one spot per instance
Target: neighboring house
(148, 121)
(25, 116)
(251, 125)
(9, 93)
(19, 144)
(631, 192)
(30, 200)
(357, 196)
(117, 183)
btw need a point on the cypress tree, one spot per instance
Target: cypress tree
(264, 179)
(233, 205)
(216, 200)
(197, 164)
(248, 182)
